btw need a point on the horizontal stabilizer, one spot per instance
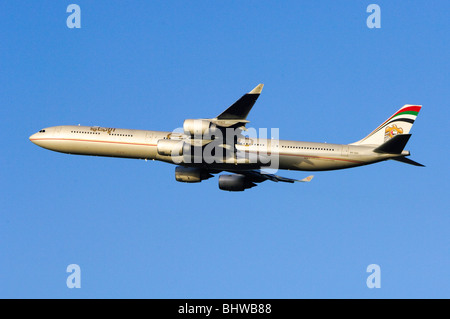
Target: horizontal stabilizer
(395, 145)
(407, 161)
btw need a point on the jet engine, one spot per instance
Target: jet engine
(234, 183)
(199, 127)
(170, 147)
(191, 174)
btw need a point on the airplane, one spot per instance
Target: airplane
(204, 147)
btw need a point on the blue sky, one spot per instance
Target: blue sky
(137, 233)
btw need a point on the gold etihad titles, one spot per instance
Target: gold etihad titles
(108, 130)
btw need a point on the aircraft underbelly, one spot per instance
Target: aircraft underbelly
(116, 149)
(316, 163)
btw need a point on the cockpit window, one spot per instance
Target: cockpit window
(42, 131)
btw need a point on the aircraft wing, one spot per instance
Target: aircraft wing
(239, 110)
(258, 176)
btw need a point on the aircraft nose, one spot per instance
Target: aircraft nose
(33, 137)
(42, 138)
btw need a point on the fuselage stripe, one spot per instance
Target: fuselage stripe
(315, 156)
(143, 144)
(94, 141)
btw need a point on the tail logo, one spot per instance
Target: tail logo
(391, 131)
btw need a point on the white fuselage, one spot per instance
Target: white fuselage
(142, 144)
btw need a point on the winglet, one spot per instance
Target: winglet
(307, 179)
(257, 89)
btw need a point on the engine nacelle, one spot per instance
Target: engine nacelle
(170, 147)
(199, 127)
(190, 174)
(234, 183)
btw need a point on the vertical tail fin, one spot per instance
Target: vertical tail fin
(399, 123)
